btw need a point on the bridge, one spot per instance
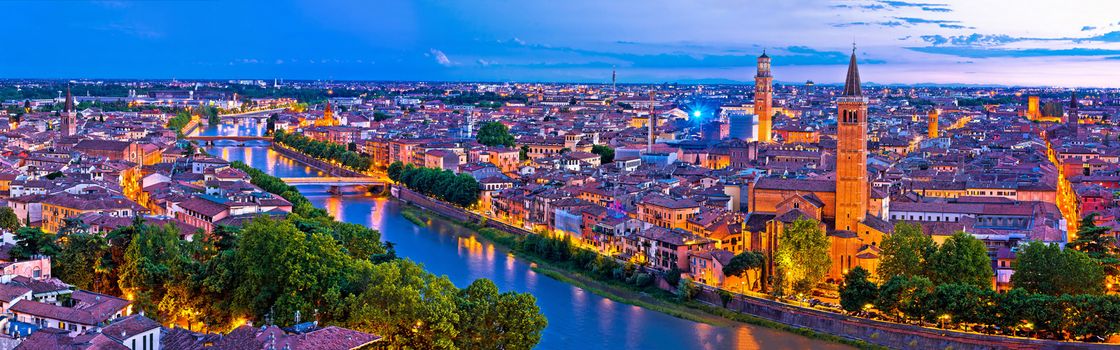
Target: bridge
(258, 114)
(209, 140)
(334, 181)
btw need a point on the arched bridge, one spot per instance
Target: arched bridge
(209, 140)
(230, 138)
(334, 181)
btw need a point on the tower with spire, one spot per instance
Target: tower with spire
(69, 123)
(852, 192)
(328, 114)
(1072, 116)
(763, 98)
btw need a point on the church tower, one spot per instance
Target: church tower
(933, 116)
(763, 98)
(328, 114)
(852, 190)
(1072, 116)
(69, 123)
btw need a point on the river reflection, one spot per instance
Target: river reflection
(577, 319)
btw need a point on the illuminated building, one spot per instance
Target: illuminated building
(1033, 112)
(933, 116)
(851, 150)
(763, 98)
(328, 118)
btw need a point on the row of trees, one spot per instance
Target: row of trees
(1019, 312)
(952, 283)
(324, 150)
(461, 189)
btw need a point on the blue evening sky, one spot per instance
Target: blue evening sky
(1026, 42)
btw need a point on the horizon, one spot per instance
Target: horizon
(548, 82)
(1033, 44)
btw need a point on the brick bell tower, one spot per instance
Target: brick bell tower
(763, 98)
(852, 190)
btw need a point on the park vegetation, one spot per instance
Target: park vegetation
(324, 150)
(951, 285)
(273, 269)
(461, 189)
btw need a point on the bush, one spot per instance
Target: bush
(686, 290)
(642, 279)
(673, 276)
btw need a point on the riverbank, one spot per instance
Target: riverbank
(650, 297)
(793, 318)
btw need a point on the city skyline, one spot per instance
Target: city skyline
(1031, 44)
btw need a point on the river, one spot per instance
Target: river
(577, 319)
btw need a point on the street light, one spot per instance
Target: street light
(944, 318)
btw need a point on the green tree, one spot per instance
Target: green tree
(282, 270)
(606, 153)
(1099, 243)
(495, 134)
(741, 264)
(148, 263)
(961, 259)
(82, 263)
(686, 290)
(857, 291)
(523, 153)
(31, 241)
(803, 254)
(1048, 269)
(407, 306)
(492, 320)
(904, 252)
(8, 219)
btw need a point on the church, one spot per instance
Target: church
(850, 211)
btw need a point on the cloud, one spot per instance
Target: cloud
(441, 58)
(853, 24)
(1112, 37)
(975, 39)
(484, 63)
(923, 6)
(978, 52)
(915, 20)
(279, 61)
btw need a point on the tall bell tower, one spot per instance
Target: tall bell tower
(763, 98)
(852, 189)
(69, 123)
